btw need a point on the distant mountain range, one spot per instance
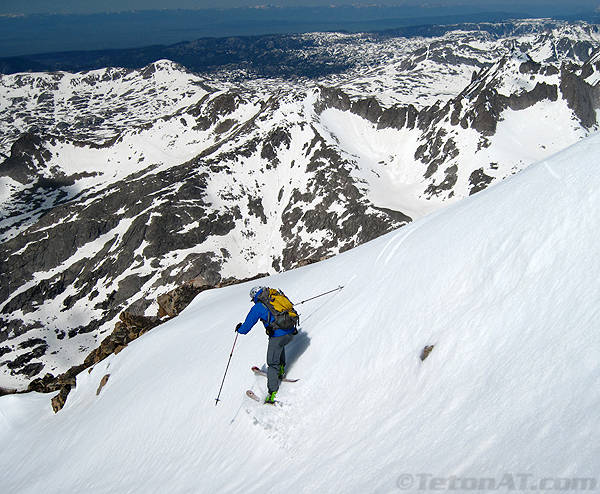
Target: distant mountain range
(135, 39)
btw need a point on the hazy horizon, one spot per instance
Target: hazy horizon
(103, 6)
(81, 26)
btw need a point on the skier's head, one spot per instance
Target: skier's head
(255, 291)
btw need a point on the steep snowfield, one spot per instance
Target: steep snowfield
(503, 283)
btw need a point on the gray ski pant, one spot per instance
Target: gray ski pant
(275, 358)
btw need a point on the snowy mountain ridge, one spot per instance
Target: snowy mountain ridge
(138, 181)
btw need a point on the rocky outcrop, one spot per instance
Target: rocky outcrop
(46, 384)
(172, 303)
(276, 139)
(479, 181)
(209, 112)
(62, 383)
(58, 402)
(582, 98)
(368, 108)
(27, 157)
(129, 328)
(398, 118)
(7, 391)
(331, 97)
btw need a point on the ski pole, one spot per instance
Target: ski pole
(226, 369)
(317, 296)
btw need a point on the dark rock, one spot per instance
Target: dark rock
(129, 328)
(225, 126)
(332, 98)
(307, 262)
(7, 391)
(451, 176)
(430, 115)
(172, 303)
(102, 383)
(235, 281)
(31, 342)
(27, 157)
(275, 139)
(368, 109)
(530, 67)
(394, 117)
(398, 117)
(486, 112)
(208, 113)
(540, 92)
(255, 208)
(426, 351)
(31, 369)
(46, 384)
(69, 377)
(582, 98)
(23, 361)
(58, 402)
(479, 181)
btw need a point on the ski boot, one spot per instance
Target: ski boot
(281, 372)
(270, 399)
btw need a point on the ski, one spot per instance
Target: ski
(252, 394)
(260, 372)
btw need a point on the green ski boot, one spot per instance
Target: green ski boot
(270, 399)
(281, 373)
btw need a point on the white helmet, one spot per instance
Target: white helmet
(255, 291)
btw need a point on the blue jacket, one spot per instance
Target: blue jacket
(259, 311)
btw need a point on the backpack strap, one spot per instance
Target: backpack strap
(263, 297)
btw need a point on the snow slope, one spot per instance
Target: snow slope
(503, 283)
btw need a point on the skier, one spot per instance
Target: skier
(278, 339)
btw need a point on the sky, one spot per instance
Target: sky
(95, 6)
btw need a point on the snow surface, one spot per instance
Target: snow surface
(503, 283)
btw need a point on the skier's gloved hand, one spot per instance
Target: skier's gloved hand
(238, 326)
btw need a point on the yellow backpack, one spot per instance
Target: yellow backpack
(280, 307)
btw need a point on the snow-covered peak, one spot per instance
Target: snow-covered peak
(93, 106)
